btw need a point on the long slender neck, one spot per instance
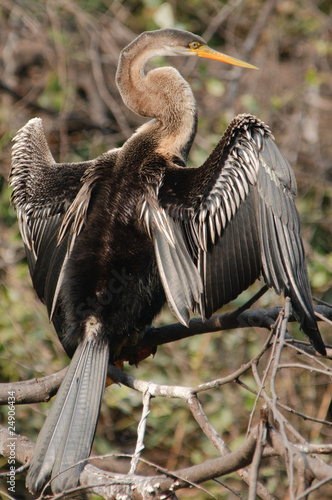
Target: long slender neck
(162, 94)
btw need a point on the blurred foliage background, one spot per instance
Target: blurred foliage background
(58, 61)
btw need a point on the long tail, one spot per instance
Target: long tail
(68, 432)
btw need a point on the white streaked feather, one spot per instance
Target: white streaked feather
(160, 220)
(218, 223)
(242, 184)
(60, 278)
(212, 228)
(233, 190)
(223, 217)
(147, 220)
(162, 252)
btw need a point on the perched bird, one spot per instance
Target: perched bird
(108, 241)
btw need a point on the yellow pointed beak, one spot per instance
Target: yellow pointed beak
(205, 51)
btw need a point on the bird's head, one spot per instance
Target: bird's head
(174, 42)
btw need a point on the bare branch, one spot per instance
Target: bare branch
(254, 365)
(261, 442)
(315, 468)
(34, 390)
(37, 390)
(141, 432)
(281, 336)
(23, 447)
(112, 484)
(179, 479)
(202, 420)
(261, 318)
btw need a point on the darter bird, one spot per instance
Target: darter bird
(109, 241)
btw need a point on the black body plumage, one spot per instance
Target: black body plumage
(110, 240)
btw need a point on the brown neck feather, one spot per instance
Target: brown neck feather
(162, 94)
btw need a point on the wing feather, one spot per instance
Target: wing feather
(170, 278)
(238, 221)
(43, 193)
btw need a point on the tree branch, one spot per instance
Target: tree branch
(108, 484)
(42, 389)
(139, 485)
(260, 318)
(34, 390)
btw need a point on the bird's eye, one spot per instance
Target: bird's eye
(194, 45)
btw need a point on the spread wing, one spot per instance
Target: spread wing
(217, 228)
(51, 201)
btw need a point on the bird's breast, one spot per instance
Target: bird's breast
(112, 274)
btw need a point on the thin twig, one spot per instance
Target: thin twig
(268, 401)
(302, 366)
(313, 488)
(287, 408)
(235, 375)
(208, 429)
(141, 432)
(322, 302)
(281, 338)
(249, 303)
(266, 371)
(224, 485)
(261, 441)
(323, 318)
(315, 468)
(106, 96)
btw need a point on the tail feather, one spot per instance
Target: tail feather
(67, 435)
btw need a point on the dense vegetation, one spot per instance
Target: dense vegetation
(58, 61)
